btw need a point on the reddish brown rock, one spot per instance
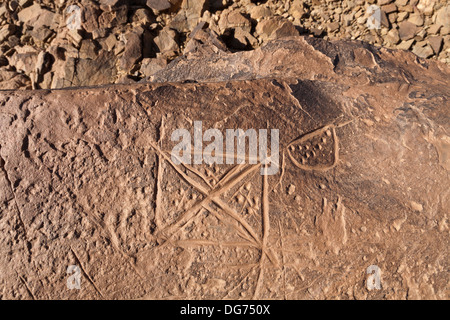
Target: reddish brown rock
(113, 18)
(36, 16)
(90, 17)
(85, 72)
(424, 52)
(159, 5)
(11, 80)
(389, 8)
(133, 51)
(165, 41)
(333, 26)
(6, 31)
(189, 15)
(151, 66)
(108, 5)
(436, 43)
(87, 179)
(88, 49)
(269, 29)
(234, 20)
(443, 16)
(407, 30)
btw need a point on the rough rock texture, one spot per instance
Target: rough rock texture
(87, 179)
(143, 33)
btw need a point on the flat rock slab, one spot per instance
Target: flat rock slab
(87, 179)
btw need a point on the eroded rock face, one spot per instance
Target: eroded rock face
(344, 62)
(87, 179)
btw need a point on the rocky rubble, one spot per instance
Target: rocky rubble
(56, 44)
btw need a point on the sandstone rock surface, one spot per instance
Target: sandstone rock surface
(135, 31)
(87, 179)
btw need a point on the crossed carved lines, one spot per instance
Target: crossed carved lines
(212, 195)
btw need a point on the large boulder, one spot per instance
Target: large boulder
(88, 179)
